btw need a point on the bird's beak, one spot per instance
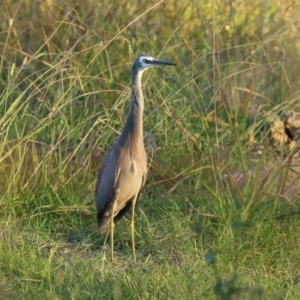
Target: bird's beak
(162, 63)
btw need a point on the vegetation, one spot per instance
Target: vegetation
(64, 95)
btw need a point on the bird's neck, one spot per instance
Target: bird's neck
(133, 129)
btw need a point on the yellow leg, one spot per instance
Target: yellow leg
(112, 226)
(132, 229)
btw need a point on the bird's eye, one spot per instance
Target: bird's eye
(145, 60)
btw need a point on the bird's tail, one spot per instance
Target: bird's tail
(103, 224)
(104, 220)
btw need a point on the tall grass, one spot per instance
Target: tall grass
(64, 95)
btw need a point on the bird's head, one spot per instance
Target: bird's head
(144, 62)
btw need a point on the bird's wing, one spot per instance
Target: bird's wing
(120, 179)
(107, 179)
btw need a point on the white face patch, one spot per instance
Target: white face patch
(144, 64)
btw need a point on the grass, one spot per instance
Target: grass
(64, 95)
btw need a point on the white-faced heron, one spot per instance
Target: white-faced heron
(124, 168)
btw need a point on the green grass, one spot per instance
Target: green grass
(64, 96)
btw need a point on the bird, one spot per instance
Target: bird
(124, 168)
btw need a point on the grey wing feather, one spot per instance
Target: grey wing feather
(106, 181)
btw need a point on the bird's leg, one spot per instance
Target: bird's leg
(132, 227)
(112, 225)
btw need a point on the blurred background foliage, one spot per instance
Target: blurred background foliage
(65, 84)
